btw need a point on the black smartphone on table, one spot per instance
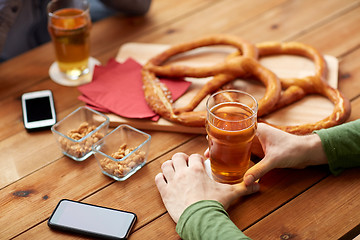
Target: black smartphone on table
(38, 110)
(92, 220)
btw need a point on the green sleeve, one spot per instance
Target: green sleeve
(342, 146)
(208, 220)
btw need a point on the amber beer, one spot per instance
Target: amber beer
(69, 27)
(231, 127)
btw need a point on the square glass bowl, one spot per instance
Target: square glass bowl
(77, 132)
(122, 152)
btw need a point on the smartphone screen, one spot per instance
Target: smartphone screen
(38, 109)
(92, 220)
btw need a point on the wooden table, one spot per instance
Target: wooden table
(292, 204)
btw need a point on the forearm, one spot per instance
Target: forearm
(207, 220)
(341, 145)
(311, 148)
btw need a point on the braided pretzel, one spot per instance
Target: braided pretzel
(297, 88)
(159, 98)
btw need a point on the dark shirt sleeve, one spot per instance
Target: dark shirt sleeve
(130, 7)
(342, 146)
(208, 220)
(9, 10)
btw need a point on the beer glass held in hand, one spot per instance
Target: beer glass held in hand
(231, 125)
(69, 25)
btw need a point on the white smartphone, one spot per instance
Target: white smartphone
(38, 110)
(92, 220)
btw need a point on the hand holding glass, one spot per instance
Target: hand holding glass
(231, 125)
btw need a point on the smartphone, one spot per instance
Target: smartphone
(38, 110)
(91, 220)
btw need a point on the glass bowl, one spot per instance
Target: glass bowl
(122, 152)
(77, 132)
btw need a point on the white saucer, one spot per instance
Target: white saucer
(61, 79)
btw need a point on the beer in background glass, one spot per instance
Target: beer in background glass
(69, 25)
(231, 124)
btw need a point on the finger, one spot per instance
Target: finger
(160, 181)
(180, 160)
(253, 188)
(261, 132)
(196, 160)
(243, 189)
(168, 170)
(240, 189)
(256, 172)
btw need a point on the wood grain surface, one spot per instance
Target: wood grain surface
(292, 204)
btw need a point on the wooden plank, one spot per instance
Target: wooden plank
(349, 74)
(189, 28)
(37, 194)
(17, 117)
(309, 109)
(289, 21)
(316, 213)
(355, 104)
(116, 30)
(139, 194)
(35, 64)
(10, 108)
(260, 21)
(343, 31)
(250, 208)
(162, 228)
(35, 71)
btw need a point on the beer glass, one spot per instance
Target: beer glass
(69, 25)
(231, 124)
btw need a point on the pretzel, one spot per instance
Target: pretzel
(159, 98)
(242, 64)
(297, 88)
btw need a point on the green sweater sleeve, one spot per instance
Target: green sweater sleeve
(208, 220)
(342, 146)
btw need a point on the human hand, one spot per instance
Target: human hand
(184, 181)
(284, 150)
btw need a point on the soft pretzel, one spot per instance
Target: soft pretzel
(159, 98)
(297, 88)
(244, 48)
(242, 63)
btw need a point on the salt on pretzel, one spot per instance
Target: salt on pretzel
(297, 88)
(159, 98)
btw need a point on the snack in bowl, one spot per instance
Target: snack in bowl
(77, 132)
(242, 63)
(122, 152)
(76, 149)
(121, 168)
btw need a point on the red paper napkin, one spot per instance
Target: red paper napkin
(117, 88)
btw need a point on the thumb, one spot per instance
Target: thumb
(238, 190)
(256, 172)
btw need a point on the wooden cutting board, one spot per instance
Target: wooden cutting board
(310, 109)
